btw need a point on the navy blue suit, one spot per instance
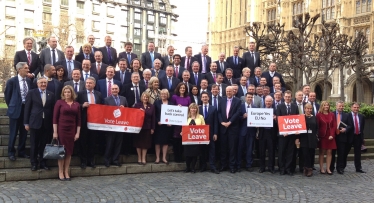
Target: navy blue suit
(343, 143)
(209, 151)
(15, 112)
(102, 87)
(228, 136)
(208, 61)
(126, 79)
(94, 75)
(164, 84)
(356, 138)
(269, 79)
(161, 73)
(237, 68)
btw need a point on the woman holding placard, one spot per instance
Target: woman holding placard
(308, 141)
(326, 132)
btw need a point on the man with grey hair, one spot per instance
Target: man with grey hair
(51, 55)
(168, 59)
(68, 63)
(90, 40)
(133, 90)
(235, 63)
(147, 74)
(221, 63)
(157, 71)
(28, 56)
(204, 60)
(15, 93)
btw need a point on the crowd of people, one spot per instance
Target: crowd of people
(217, 93)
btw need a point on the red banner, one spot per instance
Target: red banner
(113, 118)
(291, 124)
(195, 134)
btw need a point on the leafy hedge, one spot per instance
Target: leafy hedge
(365, 109)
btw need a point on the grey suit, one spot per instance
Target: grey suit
(257, 101)
(46, 57)
(82, 85)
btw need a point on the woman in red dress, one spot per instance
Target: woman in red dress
(326, 134)
(66, 127)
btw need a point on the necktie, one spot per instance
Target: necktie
(109, 88)
(43, 100)
(25, 89)
(248, 108)
(129, 57)
(258, 81)
(230, 81)
(69, 69)
(222, 68)
(338, 123)
(253, 58)
(205, 111)
(156, 73)
(53, 57)
(116, 99)
(188, 63)
(169, 82)
(176, 72)
(204, 64)
(146, 83)
(247, 83)
(215, 102)
(170, 60)
(109, 55)
(236, 60)
(152, 58)
(86, 76)
(357, 130)
(244, 90)
(300, 109)
(29, 57)
(122, 76)
(228, 108)
(276, 105)
(304, 98)
(288, 109)
(76, 87)
(214, 77)
(98, 68)
(196, 79)
(87, 56)
(136, 94)
(92, 50)
(92, 98)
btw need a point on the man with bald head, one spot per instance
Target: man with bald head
(109, 53)
(99, 67)
(149, 56)
(204, 60)
(221, 63)
(51, 54)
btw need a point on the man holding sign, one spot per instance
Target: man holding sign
(286, 142)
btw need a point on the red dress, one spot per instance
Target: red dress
(67, 119)
(326, 128)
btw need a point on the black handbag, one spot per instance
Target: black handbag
(53, 151)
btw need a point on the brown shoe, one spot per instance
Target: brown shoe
(309, 172)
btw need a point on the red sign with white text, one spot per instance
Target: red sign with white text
(113, 118)
(195, 134)
(291, 124)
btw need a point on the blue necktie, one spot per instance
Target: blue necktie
(215, 102)
(110, 56)
(122, 76)
(86, 76)
(236, 60)
(169, 81)
(129, 57)
(205, 112)
(152, 58)
(137, 94)
(116, 99)
(196, 78)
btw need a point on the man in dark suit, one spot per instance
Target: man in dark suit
(257, 77)
(77, 84)
(221, 63)
(229, 80)
(86, 54)
(357, 133)
(90, 41)
(204, 60)
(68, 63)
(104, 86)
(178, 68)
(157, 63)
(114, 139)
(214, 98)
(123, 74)
(271, 73)
(251, 58)
(209, 151)
(53, 85)
(169, 59)
(128, 55)
(30, 57)
(286, 142)
(99, 68)
(51, 55)
(246, 136)
(38, 120)
(169, 82)
(86, 72)
(313, 102)
(228, 117)
(235, 63)
(298, 153)
(306, 91)
(187, 60)
(222, 86)
(246, 72)
(133, 90)
(196, 76)
(148, 57)
(277, 87)
(15, 93)
(212, 75)
(109, 53)
(87, 138)
(147, 74)
(186, 80)
(242, 88)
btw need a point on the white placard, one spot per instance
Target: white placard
(260, 117)
(174, 115)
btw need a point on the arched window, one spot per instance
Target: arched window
(363, 6)
(358, 6)
(368, 5)
(298, 8)
(328, 2)
(333, 13)
(328, 12)
(273, 15)
(294, 9)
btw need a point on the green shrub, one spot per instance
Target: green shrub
(365, 109)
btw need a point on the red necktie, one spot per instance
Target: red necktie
(109, 88)
(29, 57)
(357, 131)
(176, 72)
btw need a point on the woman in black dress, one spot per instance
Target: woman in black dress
(308, 141)
(163, 132)
(194, 94)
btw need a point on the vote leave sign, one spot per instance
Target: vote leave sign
(174, 115)
(291, 124)
(112, 118)
(260, 117)
(195, 134)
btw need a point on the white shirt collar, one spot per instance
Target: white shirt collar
(20, 78)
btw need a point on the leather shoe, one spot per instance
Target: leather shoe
(24, 156)
(187, 170)
(272, 171)
(193, 171)
(67, 179)
(250, 169)
(239, 170)
(232, 170)
(203, 170)
(340, 171)
(91, 164)
(117, 164)
(215, 171)
(44, 167)
(223, 169)
(83, 165)
(360, 171)
(33, 168)
(282, 173)
(290, 173)
(261, 170)
(106, 164)
(12, 158)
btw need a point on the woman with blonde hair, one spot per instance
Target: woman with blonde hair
(152, 89)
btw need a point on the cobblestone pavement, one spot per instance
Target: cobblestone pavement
(199, 187)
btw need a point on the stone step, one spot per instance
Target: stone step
(4, 139)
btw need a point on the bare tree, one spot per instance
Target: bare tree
(343, 59)
(6, 64)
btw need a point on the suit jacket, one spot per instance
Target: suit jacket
(189, 86)
(140, 74)
(345, 137)
(200, 76)
(248, 61)
(273, 130)
(150, 116)
(111, 102)
(161, 73)
(124, 55)
(180, 73)
(92, 51)
(269, 79)
(35, 67)
(77, 65)
(13, 98)
(219, 68)
(101, 86)
(83, 76)
(207, 64)
(147, 60)
(82, 97)
(272, 90)
(34, 109)
(183, 62)
(126, 80)
(282, 109)
(211, 102)
(223, 86)
(243, 122)
(58, 88)
(102, 74)
(166, 62)
(46, 57)
(128, 92)
(113, 52)
(210, 78)
(82, 56)
(351, 132)
(234, 115)
(227, 82)
(317, 109)
(164, 84)
(192, 99)
(240, 92)
(257, 83)
(82, 84)
(210, 119)
(237, 68)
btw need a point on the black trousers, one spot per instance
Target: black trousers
(267, 142)
(87, 144)
(286, 152)
(38, 140)
(177, 149)
(308, 157)
(229, 143)
(342, 150)
(191, 162)
(113, 146)
(16, 125)
(357, 142)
